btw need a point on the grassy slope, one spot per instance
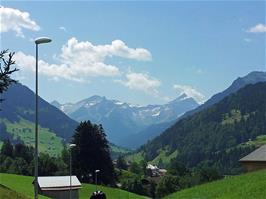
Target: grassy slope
(24, 130)
(247, 186)
(6, 193)
(137, 157)
(22, 184)
(164, 157)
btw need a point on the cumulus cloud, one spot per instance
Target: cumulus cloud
(141, 82)
(98, 53)
(259, 28)
(80, 60)
(69, 71)
(190, 92)
(16, 20)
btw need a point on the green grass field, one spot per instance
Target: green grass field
(6, 193)
(24, 130)
(164, 157)
(247, 186)
(23, 184)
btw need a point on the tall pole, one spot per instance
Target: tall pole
(96, 180)
(70, 169)
(36, 130)
(70, 173)
(38, 41)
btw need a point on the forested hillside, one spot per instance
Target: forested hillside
(219, 135)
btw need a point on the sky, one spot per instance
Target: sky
(136, 52)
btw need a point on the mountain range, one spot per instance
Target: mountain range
(17, 122)
(122, 120)
(240, 82)
(217, 136)
(132, 125)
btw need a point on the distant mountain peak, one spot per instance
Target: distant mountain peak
(183, 96)
(96, 97)
(251, 78)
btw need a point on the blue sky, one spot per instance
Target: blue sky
(137, 52)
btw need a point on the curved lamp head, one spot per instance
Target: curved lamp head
(42, 40)
(72, 145)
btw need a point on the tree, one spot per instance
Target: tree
(47, 165)
(92, 153)
(133, 185)
(23, 151)
(121, 163)
(7, 148)
(6, 70)
(168, 184)
(135, 168)
(177, 168)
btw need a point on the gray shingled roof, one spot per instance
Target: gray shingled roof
(257, 155)
(58, 182)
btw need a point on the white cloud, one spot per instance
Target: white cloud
(68, 71)
(16, 20)
(80, 60)
(259, 28)
(98, 53)
(141, 82)
(190, 92)
(62, 28)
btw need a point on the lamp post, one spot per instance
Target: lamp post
(96, 171)
(70, 168)
(41, 40)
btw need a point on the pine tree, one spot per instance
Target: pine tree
(7, 148)
(92, 153)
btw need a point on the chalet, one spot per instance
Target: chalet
(58, 187)
(155, 171)
(255, 160)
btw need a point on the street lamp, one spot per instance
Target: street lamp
(70, 168)
(96, 171)
(41, 40)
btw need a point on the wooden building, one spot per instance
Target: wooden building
(255, 160)
(58, 187)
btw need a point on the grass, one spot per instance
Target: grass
(20, 184)
(7, 193)
(111, 193)
(247, 186)
(24, 130)
(260, 140)
(135, 157)
(117, 149)
(23, 184)
(235, 116)
(164, 157)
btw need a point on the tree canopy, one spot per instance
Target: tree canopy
(92, 153)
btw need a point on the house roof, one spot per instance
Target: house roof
(58, 182)
(257, 155)
(152, 167)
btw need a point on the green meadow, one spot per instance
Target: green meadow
(247, 186)
(23, 185)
